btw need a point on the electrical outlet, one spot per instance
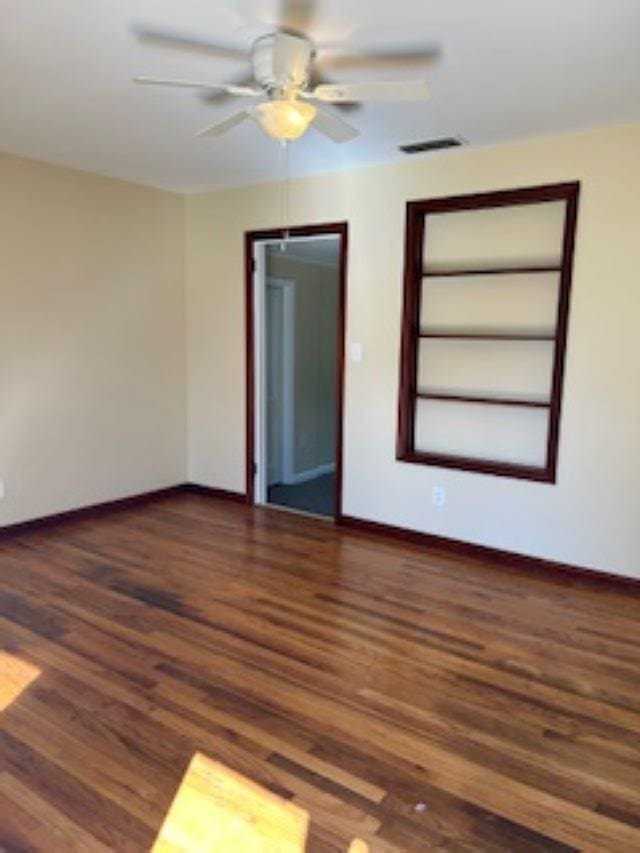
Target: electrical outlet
(2, 492)
(356, 351)
(437, 496)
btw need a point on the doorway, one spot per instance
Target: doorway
(295, 361)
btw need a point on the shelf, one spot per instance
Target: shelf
(484, 466)
(433, 273)
(493, 401)
(490, 336)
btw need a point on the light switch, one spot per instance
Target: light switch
(356, 351)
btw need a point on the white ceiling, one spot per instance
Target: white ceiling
(507, 68)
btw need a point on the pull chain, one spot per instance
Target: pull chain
(284, 194)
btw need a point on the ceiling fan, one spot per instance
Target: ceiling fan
(283, 83)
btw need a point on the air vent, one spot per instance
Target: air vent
(432, 145)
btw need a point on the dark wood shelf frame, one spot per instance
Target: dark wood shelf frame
(416, 270)
(479, 466)
(459, 273)
(492, 401)
(488, 336)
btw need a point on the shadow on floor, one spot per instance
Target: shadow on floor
(316, 496)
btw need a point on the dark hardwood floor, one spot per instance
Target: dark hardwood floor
(356, 676)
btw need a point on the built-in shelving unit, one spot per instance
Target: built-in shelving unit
(487, 285)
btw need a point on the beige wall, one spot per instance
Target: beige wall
(93, 380)
(591, 516)
(92, 339)
(316, 309)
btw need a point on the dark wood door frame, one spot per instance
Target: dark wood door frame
(338, 229)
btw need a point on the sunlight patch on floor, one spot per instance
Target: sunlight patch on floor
(15, 676)
(218, 809)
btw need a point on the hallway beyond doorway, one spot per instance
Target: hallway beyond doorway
(296, 297)
(316, 496)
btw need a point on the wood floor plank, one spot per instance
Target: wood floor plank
(45, 826)
(400, 695)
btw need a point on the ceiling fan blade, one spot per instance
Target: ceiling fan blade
(228, 88)
(220, 127)
(186, 41)
(317, 78)
(422, 55)
(239, 86)
(296, 16)
(336, 93)
(336, 128)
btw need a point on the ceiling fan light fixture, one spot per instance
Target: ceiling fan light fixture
(284, 119)
(285, 76)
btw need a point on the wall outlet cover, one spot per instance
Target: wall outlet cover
(437, 496)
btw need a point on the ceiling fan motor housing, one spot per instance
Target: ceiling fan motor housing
(281, 61)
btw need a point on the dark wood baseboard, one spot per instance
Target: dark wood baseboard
(95, 510)
(91, 511)
(214, 492)
(506, 559)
